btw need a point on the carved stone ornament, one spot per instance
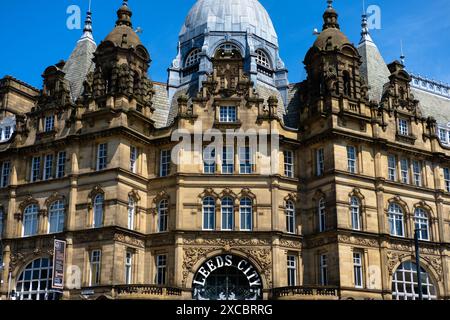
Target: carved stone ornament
(395, 258)
(358, 241)
(19, 258)
(53, 198)
(120, 237)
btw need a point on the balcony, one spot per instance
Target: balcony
(147, 292)
(305, 293)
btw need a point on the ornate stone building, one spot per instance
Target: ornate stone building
(316, 196)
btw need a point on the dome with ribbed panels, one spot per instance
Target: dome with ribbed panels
(229, 15)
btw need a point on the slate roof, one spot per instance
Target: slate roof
(166, 111)
(373, 69)
(161, 104)
(292, 116)
(433, 105)
(80, 62)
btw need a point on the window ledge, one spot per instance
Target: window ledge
(411, 139)
(46, 134)
(227, 125)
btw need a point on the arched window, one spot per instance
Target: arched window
(56, 217)
(163, 215)
(262, 59)
(35, 281)
(322, 215)
(290, 217)
(193, 58)
(246, 214)
(228, 48)
(396, 220)
(347, 83)
(30, 220)
(209, 213)
(99, 206)
(405, 283)
(131, 212)
(422, 224)
(227, 214)
(355, 211)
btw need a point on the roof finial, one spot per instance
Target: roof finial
(124, 15)
(330, 17)
(365, 34)
(87, 31)
(330, 4)
(402, 55)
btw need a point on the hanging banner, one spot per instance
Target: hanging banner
(59, 258)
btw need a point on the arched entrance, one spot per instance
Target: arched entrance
(405, 283)
(35, 281)
(227, 277)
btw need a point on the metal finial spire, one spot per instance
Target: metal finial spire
(87, 31)
(330, 4)
(402, 56)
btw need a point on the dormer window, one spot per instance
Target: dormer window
(444, 136)
(403, 127)
(193, 58)
(228, 114)
(49, 123)
(7, 133)
(263, 62)
(7, 128)
(262, 59)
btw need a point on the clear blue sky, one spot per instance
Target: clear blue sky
(35, 33)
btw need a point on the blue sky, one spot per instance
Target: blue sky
(35, 33)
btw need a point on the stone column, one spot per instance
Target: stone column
(73, 194)
(5, 271)
(275, 196)
(178, 262)
(70, 279)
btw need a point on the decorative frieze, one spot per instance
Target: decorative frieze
(358, 241)
(129, 240)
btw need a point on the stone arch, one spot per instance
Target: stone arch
(356, 192)
(349, 50)
(227, 192)
(247, 193)
(425, 264)
(53, 198)
(162, 195)
(28, 201)
(217, 45)
(20, 260)
(94, 193)
(398, 200)
(203, 257)
(423, 205)
(209, 192)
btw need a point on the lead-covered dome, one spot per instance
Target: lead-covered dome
(229, 15)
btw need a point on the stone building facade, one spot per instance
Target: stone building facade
(317, 195)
